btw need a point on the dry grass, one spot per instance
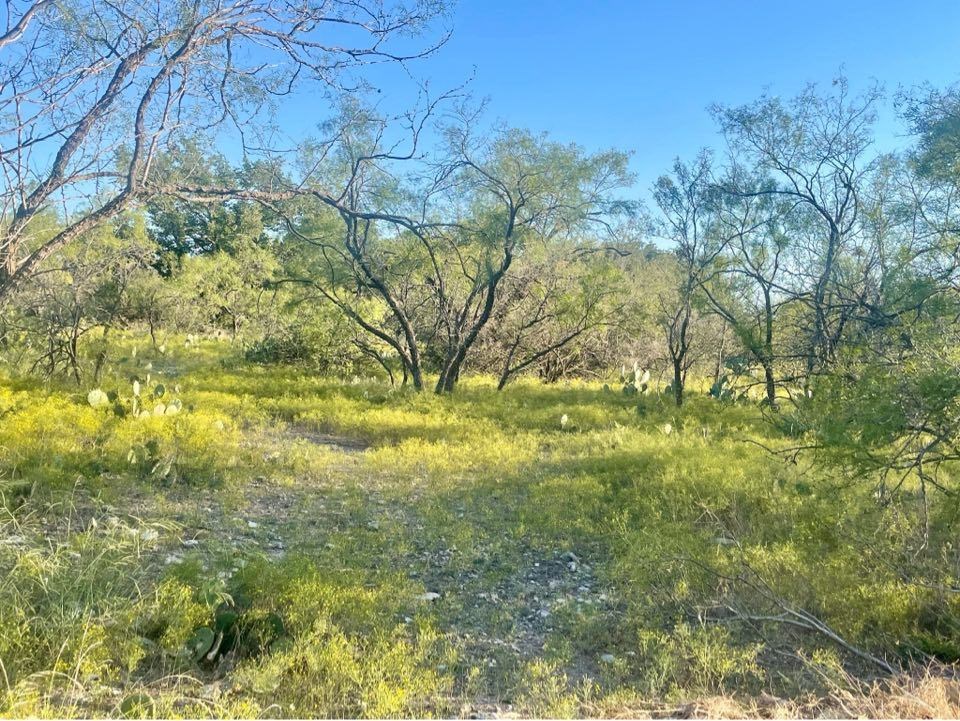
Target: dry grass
(929, 692)
(932, 692)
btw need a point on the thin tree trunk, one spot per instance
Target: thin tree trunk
(768, 350)
(101, 356)
(770, 384)
(678, 381)
(723, 339)
(416, 375)
(506, 373)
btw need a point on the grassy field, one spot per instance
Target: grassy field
(287, 545)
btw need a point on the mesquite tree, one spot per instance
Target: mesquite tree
(415, 248)
(815, 153)
(91, 91)
(687, 203)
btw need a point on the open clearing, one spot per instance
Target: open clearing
(360, 550)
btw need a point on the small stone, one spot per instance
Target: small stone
(544, 612)
(429, 596)
(211, 692)
(573, 565)
(253, 524)
(608, 658)
(189, 543)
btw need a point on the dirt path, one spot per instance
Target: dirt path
(502, 600)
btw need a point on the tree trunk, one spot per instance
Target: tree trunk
(451, 371)
(101, 356)
(818, 341)
(767, 359)
(451, 374)
(720, 349)
(416, 373)
(770, 384)
(678, 381)
(506, 372)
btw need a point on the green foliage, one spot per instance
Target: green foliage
(59, 324)
(194, 447)
(346, 653)
(893, 407)
(703, 659)
(213, 484)
(463, 494)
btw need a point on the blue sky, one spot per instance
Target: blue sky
(639, 75)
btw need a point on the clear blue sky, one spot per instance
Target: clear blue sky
(639, 75)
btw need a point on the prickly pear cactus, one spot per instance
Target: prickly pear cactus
(721, 390)
(97, 398)
(636, 382)
(201, 643)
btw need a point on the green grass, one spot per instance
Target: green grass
(579, 569)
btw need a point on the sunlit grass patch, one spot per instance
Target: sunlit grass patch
(68, 609)
(49, 438)
(579, 549)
